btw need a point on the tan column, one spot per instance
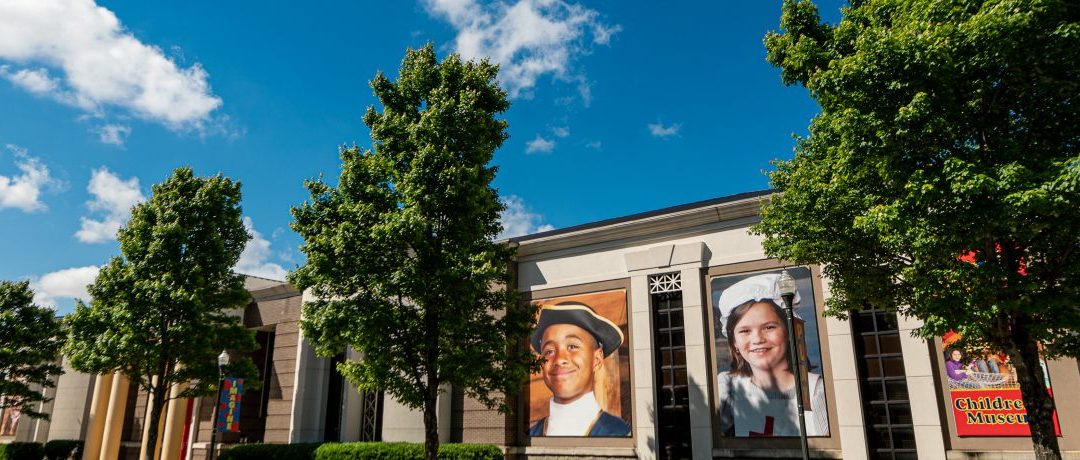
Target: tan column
(98, 406)
(114, 418)
(173, 433)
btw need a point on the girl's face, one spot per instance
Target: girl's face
(955, 355)
(760, 337)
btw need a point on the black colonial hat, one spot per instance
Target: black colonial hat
(580, 315)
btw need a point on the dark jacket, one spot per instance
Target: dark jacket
(606, 425)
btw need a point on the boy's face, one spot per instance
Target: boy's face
(571, 358)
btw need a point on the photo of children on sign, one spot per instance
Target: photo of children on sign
(984, 394)
(755, 381)
(583, 387)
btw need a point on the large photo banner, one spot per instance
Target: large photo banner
(583, 387)
(984, 393)
(755, 377)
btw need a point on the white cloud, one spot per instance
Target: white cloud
(595, 145)
(23, 191)
(659, 130)
(561, 131)
(528, 38)
(102, 64)
(114, 198)
(69, 283)
(255, 258)
(518, 220)
(539, 145)
(113, 134)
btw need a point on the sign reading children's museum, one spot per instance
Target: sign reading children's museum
(984, 393)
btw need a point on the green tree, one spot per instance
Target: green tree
(162, 311)
(400, 252)
(948, 130)
(30, 341)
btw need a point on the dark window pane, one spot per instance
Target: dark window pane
(680, 376)
(903, 438)
(900, 414)
(881, 438)
(886, 321)
(873, 368)
(870, 344)
(896, 390)
(864, 322)
(676, 318)
(680, 357)
(890, 343)
(905, 456)
(677, 339)
(878, 415)
(894, 367)
(876, 391)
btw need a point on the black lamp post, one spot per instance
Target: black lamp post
(787, 288)
(222, 361)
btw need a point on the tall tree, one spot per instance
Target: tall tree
(400, 252)
(942, 177)
(162, 311)
(30, 341)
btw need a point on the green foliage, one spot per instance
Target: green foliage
(300, 451)
(400, 251)
(165, 307)
(358, 451)
(947, 129)
(30, 341)
(405, 451)
(21, 451)
(62, 449)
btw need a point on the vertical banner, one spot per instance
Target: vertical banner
(583, 387)
(755, 377)
(9, 419)
(983, 391)
(229, 406)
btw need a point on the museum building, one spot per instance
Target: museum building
(686, 359)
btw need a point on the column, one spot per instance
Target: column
(697, 366)
(98, 405)
(929, 440)
(644, 390)
(845, 381)
(173, 433)
(114, 418)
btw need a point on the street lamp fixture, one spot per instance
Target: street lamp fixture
(787, 288)
(222, 362)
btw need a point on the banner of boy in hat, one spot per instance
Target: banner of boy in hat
(583, 387)
(755, 378)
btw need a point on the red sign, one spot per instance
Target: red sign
(991, 412)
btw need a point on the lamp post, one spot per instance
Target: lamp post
(786, 286)
(222, 361)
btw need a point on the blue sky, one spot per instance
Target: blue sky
(618, 107)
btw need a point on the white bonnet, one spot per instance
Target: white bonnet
(754, 288)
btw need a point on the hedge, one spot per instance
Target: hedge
(358, 451)
(301, 451)
(62, 449)
(21, 451)
(405, 451)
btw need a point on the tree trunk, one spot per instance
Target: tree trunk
(1024, 353)
(431, 422)
(157, 404)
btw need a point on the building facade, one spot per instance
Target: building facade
(687, 362)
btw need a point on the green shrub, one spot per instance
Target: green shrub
(63, 449)
(405, 451)
(358, 451)
(302, 451)
(370, 450)
(21, 451)
(470, 452)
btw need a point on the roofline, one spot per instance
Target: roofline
(640, 216)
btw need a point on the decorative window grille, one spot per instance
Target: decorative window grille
(666, 282)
